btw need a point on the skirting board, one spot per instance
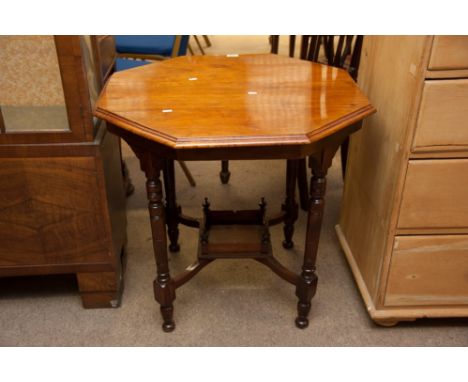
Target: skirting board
(391, 316)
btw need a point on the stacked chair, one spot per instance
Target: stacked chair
(339, 51)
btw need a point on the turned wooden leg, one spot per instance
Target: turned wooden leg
(172, 211)
(290, 206)
(307, 285)
(164, 290)
(224, 174)
(302, 184)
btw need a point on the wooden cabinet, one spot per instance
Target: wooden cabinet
(404, 220)
(62, 203)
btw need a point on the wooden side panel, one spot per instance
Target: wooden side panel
(51, 212)
(113, 190)
(2, 123)
(443, 116)
(449, 52)
(435, 195)
(377, 154)
(428, 270)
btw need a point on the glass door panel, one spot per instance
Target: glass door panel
(31, 91)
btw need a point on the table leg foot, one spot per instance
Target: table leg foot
(305, 291)
(288, 244)
(164, 293)
(167, 313)
(302, 322)
(174, 247)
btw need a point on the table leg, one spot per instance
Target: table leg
(225, 173)
(307, 285)
(164, 290)
(302, 184)
(290, 206)
(172, 211)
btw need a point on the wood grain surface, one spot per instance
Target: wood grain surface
(449, 52)
(428, 270)
(443, 117)
(223, 101)
(377, 152)
(434, 197)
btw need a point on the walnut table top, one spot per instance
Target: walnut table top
(228, 101)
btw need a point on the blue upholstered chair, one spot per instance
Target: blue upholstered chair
(125, 63)
(152, 46)
(147, 47)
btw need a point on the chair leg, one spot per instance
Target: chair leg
(292, 45)
(199, 45)
(274, 44)
(190, 49)
(302, 185)
(207, 40)
(187, 173)
(224, 174)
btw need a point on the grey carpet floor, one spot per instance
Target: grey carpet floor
(230, 302)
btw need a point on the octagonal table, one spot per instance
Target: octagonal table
(233, 107)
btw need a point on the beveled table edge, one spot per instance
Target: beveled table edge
(231, 141)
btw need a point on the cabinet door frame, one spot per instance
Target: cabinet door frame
(77, 101)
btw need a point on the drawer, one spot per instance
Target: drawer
(435, 195)
(428, 270)
(449, 52)
(443, 116)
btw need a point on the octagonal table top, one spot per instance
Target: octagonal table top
(231, 101)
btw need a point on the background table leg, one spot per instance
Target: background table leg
(225, 174)
(290, 206)
(172, 213)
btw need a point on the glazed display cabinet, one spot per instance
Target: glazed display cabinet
(62, 202)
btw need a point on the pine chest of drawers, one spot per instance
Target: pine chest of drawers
(404, 219)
